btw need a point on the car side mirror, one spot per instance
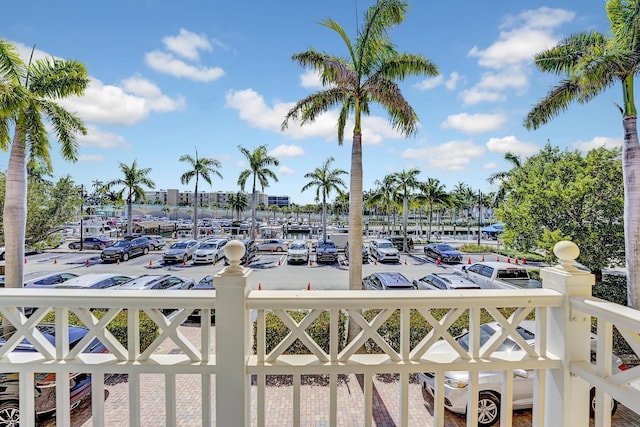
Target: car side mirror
(464, 268)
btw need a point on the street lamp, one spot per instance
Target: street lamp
(479, 214)
(81, 216)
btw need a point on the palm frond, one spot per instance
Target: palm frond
(557, 100)
(57, 78)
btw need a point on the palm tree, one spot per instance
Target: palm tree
(435, 194)
(238, 202)
(132, 183)
(27, 94)
(589, 63)
(259, 163)
(200, 168)
(368, 75)
(325, 180)
(404, 182)
(502, 177)
(383, 197)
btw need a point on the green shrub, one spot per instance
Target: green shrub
(471, 248)
(319, 329)
(118, 326)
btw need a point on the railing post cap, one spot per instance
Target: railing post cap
(567, 252)
(234, 250)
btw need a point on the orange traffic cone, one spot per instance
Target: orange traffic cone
(278, 262)
(310, 262)
(86, 262)
(498, 258)
(259, 287)
(439, 261)
(309, 286)
(184, 263)
(517, 262)
(469, 260)
(55, 260)
(482, 257)
(25, 260)
(509, 260)
(150, 263)
(524, 260)
(405, 262)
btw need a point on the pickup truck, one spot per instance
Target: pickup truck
(326, 251)
(498, 275)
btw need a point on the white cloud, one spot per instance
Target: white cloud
(98, 138)
(310, 79)
(452, 156)
(597, 142)
(253, 109)
(90, 158)
(490, 166)
(509, 144)
(475, 96)
(433, 82)
(187, 44)
(452, 82)
(286, 170)
(168, 64)
(511, 77)
(474, 123)
(128, 104)
(286, 151)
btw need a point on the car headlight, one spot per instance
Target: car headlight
(455, 383)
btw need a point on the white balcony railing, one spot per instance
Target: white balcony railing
(560, 358)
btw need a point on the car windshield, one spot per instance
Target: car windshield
(487, 332)
(179, 245)
(208, 246)
(326, 245)
(298, 246)
(386, 245)
(445, 248)
(122, 243)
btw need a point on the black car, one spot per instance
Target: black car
(99, 242)
(386, 281)
(398, 242)
(122, 250)
(326, 251)
(444, 252)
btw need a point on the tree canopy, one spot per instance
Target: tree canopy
(557, 194)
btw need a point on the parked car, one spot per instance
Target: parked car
(398, 242)
(99, 242)
(45, 384)
(122, 250)
(443, 281)
(384, 251)
(181, 251)
(326, 252)
(490, 383)
(210, 251)
(498, 275)
(446, 253)
(273, 245)
(46, 279)
(298, 252)
(365, 252)
(156, 242)
(157, 281)
(382, 281)
(206, 283)
(250, 252)
(94, 281)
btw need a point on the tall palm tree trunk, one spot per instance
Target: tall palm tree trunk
(129, 215)
(195, 212)
(324, 217)
(355, 221)
(631, 172)
(15, 212)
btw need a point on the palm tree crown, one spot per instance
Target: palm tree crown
(132, 183)
(404, 182)
(27, 94)
(368, 75)
(201, 167)
(259, 163)
(325, 180)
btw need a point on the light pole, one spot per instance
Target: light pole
(81, 216)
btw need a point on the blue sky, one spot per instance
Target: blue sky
(169, 77)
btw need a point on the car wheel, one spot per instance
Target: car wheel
(145, 251)
(488, 409)
(71, 246)
(10, 413)
(592, 406)
(278, 249)
(185, 257)
(215, 259)
(125, 256)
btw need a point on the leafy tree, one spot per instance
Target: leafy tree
(325, 180)
(404, 182)
(27, 101)
(556, 193)
(589, 63)
(368, 75)
(200, 168)
(133, 182)
(259, 169)
(383, 197)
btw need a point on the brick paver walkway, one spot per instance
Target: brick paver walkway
(278, 403)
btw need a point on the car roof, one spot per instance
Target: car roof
(456, 280)
(142, 281)
(496, 264)
(381, 240)
(392, 278)
(87, 279)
